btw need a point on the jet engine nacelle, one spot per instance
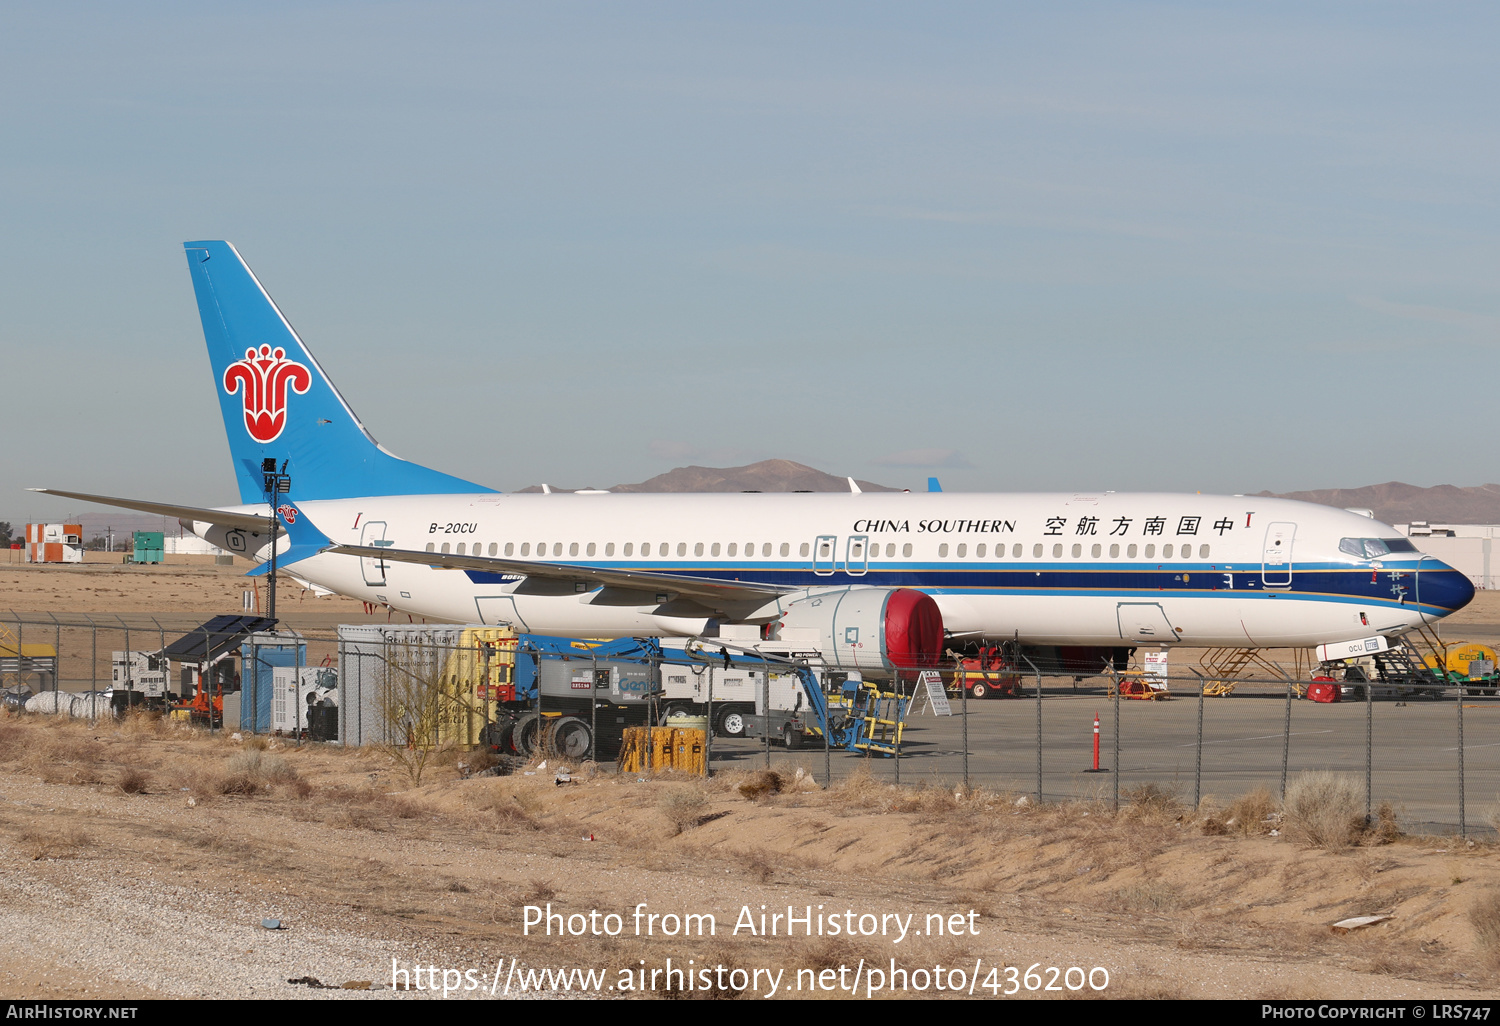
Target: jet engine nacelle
(254, 545)
(872, 630)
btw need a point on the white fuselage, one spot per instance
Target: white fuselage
(1070, 569)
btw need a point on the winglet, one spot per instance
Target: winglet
(933, 485)
(854, 487)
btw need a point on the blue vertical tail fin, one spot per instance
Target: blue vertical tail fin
(279, 405)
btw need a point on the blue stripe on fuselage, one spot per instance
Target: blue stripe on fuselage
(1330, 582)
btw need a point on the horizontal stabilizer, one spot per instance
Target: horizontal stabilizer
(224, 518)
(305, 540)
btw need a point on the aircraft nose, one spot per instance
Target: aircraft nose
(1446, 588)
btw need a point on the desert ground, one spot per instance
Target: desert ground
(143, 858)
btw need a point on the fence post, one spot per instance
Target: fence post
(1038, 727)
(1198, 770)
(208, 672)
(1463, 829)
(93, 649)
(963, 705)
(1369, 748)
(1119, 769)
(1286, 733)
(593, 710)
(765, 688)
(896, 681)
(708, 729)
(57, 654)
(827, 744)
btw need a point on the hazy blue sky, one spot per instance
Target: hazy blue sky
(1217, 247)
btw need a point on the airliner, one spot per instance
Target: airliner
(883, 580)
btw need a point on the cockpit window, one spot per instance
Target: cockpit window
(1374, 548)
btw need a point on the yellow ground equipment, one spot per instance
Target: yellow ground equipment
(670, 748)
(1135, 687)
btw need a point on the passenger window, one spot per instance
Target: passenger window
(1096, 550)
(804, 550)
(715, 550)
(590, 549)
(573, 549)
(526, 548)
(963, 550)
(609, 548)
(1166, 552)
(1036, 551)
(786, 549)
(493, 548)
(749, 550)
(943, 551)
(765, 550)
(979, 550)
(1077, 550)
(1150, 551)
(445, 548)
(666, 549)
(1057, 550)
(698, 549)
(1114, 552)
(732, 547)
(628, 547)
(1130, 552)
(1016, 552)
(460, 548)
(557, 548)
(1202, 551)
(431, 546)
(682, 548)
(906, 549)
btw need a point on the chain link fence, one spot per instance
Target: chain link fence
(1430, 751)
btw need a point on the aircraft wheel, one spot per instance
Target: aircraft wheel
(571, 738)
(732, 723)
(980, 689)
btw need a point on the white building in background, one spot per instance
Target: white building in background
(190, 545)
(1465, 547)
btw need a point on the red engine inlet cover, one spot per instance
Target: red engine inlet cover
(913, 630)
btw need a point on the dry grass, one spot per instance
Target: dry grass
(1325, 810)
(1252, 813)
(52, 842)
(540, 890)
(133, 781)
(759, 865)
(762, 784)
(1151, 896)
(683, 807)
(1484, 916)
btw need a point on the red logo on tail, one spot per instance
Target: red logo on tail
(265, 377)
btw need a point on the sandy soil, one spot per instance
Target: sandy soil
(139, 859)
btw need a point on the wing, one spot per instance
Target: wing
(639, 580)
(225, 518)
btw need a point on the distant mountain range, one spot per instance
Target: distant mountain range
(1392, 502)
(765, 476)
(1397, 503)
